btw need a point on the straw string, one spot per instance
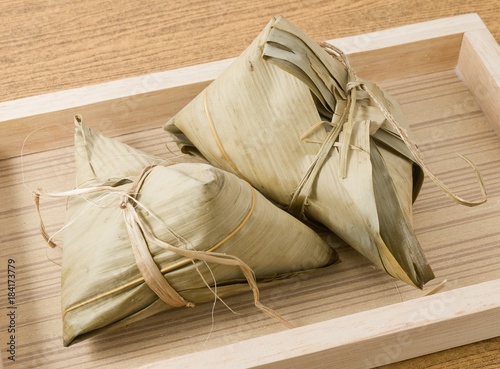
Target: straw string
(139, 233)
(217, 138)
(143, 258)
(345, 126)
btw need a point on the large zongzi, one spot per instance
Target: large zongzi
(142, 235)
(293, 119)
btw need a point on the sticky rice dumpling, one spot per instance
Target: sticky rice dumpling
(293, 119)
(144, 234)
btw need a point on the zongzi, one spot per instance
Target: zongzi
(144, 234)
(293, 119)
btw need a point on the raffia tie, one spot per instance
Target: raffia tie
(218, 140)
(345, 125)
(140, 234)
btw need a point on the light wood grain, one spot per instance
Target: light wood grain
(86, 53)
(147, 101)
(445, 33)
(57, 45)
(477, 66)
(429, 321)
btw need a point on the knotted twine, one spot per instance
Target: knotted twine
(345, 125)
(139, 234)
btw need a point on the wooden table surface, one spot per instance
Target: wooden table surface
(56, 45)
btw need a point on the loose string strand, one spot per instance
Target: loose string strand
(416, 154)
(356, 84)
(23, 148)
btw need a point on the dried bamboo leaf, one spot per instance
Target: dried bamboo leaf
(285, 87)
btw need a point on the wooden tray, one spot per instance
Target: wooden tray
(446, 75)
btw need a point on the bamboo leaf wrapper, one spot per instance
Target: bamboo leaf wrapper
(203, 231)
(294, 120)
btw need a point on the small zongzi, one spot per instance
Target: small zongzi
(143, 234)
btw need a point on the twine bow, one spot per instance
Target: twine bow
(345, 126)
